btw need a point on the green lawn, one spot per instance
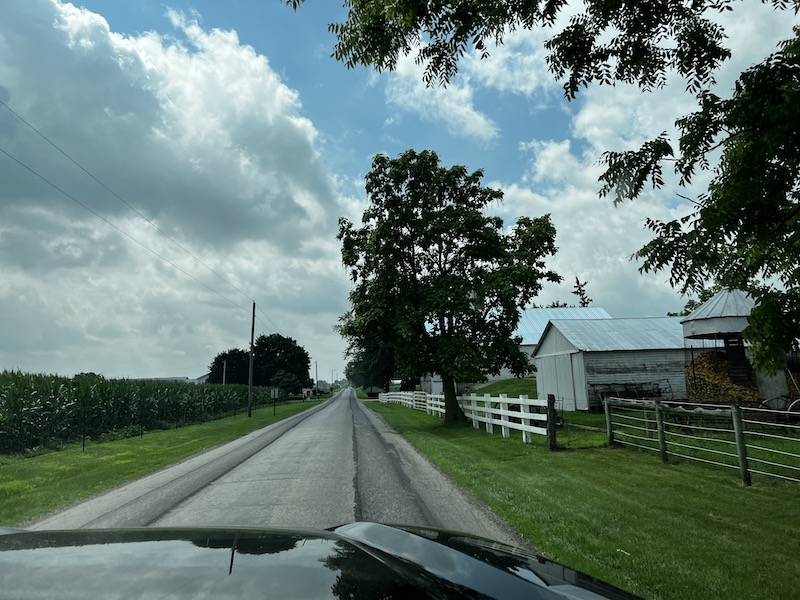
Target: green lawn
(512, 387)
(586, 419)
(31, 486)
(660, 531)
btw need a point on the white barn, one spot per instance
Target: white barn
(580, 361)
(533, 321)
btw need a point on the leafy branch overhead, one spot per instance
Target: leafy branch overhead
(435, 278)
(633, 41)
(744, 227)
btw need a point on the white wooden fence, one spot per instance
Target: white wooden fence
(521, 414)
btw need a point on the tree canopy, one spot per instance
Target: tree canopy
(744, 230)
(275, 353)
(277, 361)
(437, 278)
(372, 362)
(232, 366)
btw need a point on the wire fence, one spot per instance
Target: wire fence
(751, 440)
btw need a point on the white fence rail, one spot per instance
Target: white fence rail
(752, 440)
(528, 416)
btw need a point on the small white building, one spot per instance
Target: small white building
(581, 361)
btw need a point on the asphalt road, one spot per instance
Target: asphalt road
(336, 464)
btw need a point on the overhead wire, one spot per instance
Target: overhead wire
(275, 327)
(131, 207)
(122, 231)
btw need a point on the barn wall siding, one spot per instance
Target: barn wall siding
(563, 376)
(638, 366)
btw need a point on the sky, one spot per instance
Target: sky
(169, 162)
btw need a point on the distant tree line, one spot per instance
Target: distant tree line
(278, 361)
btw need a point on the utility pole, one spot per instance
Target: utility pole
(250, 374)
(316, 378)
(224, 370)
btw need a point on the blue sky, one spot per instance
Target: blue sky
(229, 127)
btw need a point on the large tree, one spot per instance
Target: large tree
(436, 277)
(744, 228)
(275, 353)
(232, 366)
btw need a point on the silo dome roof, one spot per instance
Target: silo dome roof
(723, 315)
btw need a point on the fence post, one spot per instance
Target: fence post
(551, 422)
(503, 417)
(662, 437)
(487, 407)
(741, 448)
(609, 428)
(525, 409)
(473, 400)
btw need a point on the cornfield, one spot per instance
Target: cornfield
(43, 411)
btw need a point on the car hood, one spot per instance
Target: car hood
(359, 560)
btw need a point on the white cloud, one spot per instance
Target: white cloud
(517, 66)
(452, 105)
(595, 239)
(196, 131)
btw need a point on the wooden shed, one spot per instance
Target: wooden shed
(581, 361)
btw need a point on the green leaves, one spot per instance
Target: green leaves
(434, 277)
(635, 41)
(629, 171)
(39, 411)
(745, 228)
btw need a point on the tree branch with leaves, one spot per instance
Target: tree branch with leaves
(745, 226)
(437, 278)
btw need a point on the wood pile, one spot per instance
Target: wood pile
(708, 382)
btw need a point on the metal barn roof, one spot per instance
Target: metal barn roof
(645, 333)
(533, 321)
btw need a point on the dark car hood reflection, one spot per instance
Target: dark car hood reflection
(361, 560)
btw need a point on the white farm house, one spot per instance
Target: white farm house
(581, 361)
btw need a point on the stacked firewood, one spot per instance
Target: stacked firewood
(708, 382)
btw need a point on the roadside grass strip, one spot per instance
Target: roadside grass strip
(36, 485)
(672, 531)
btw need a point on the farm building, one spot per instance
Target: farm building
(581, 361)
(532, 323)
(724, 317)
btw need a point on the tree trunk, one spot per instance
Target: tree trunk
(452, 410)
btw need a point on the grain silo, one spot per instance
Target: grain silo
(723, 318)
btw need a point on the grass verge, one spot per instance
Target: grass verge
(659, 531)
(513, 387)
(32, 486)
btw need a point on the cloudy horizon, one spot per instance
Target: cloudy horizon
(227, 143)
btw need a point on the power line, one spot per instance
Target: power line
(275, 327)
(122, 231)
(131, 207)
